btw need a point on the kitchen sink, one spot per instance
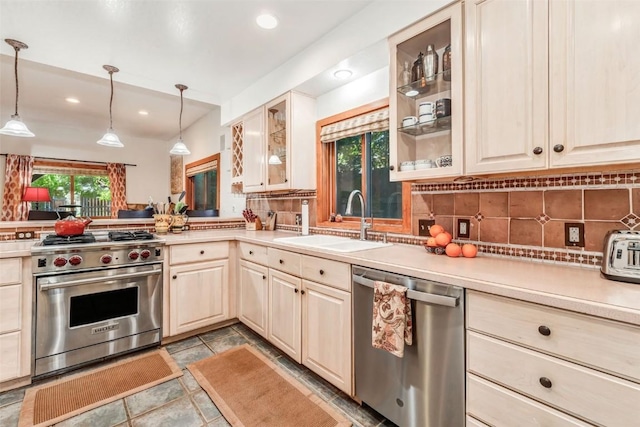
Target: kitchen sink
(331, 243)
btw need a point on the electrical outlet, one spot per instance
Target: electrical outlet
(298, 219)
(574, 234)
(424, 225)
(25, 235)
(464, 228)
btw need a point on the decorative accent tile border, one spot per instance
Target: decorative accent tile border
(622, 179)
(302, 194)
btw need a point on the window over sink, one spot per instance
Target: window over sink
(203, 183)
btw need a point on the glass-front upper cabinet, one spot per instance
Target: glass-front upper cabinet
(277, 138)
(425, 98)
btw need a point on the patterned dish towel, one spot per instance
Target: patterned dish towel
(392, 322)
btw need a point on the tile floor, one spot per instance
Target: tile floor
(182, 402)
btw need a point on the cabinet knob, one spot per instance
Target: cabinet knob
(545, 382)
(391, 167)
(295, 290)
(544, 330)
(250, 252)
(537, 150)
(262, 183)
(558, 148)
(321, 272)
(201, 252)
(264, 277)
(302, 292)
(174, 277)
(281, 261)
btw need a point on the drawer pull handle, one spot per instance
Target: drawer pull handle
(544, 330)
(281, 261)
(174, 276)
(321, 272)
(302, 292)
(201, 252)
(545, 382)
(295, 290)
(250, 252)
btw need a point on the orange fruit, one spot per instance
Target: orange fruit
(453, 250)
(435, 229)
(431, 242)
(469, 250)
(443, 239)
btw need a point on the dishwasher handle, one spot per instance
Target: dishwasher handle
(415, 295)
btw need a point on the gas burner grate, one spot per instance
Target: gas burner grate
(116, 236)
(52, 239)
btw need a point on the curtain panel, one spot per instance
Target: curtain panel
(370, 122)
(118, 186)
(17, 178)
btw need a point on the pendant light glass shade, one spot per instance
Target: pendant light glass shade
(110, 139)
(15, 126)
(179, 147)
(274, 160)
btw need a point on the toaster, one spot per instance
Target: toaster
(622, 256)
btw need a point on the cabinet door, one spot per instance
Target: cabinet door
(253, 296)
(436, 141)
(198, 295)
(594, 87)
(326, 333)
(284, 313)
(10, 356)
(506, 85)
(253, 152)
(278, 136)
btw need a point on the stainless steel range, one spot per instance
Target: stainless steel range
(95, 296)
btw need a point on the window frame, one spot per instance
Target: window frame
(325, 176)
(189, 188)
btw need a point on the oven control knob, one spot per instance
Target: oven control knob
(106, 259)
(75, 260)
(59, 262)
(133, 255)
(146, 253)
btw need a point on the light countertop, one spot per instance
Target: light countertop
(573, 288)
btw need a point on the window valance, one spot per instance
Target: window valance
(370, 122)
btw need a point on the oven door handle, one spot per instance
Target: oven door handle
(49, 286)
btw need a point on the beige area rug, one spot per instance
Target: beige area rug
(251, 391)
(56, 401)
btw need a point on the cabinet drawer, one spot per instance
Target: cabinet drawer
(10, 271)
(570, 335)
(198, 252)
(288, 262)
(10, 308)
(332, 273)
(595, 396)
(498, 406)
(253, 253)
(472, 422)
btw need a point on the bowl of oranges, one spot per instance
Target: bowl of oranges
(440, 243)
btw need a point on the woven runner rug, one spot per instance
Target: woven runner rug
(250, 390)
(53, 402)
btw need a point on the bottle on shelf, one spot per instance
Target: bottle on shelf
(405, 76)
(417, 71)
(430, 63)
(446, 64)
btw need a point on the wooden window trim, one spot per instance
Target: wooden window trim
(325, 156)
(189, 184)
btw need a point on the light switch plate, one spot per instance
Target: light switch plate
(424, 225)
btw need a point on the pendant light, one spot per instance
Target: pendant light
(179, 147)
(110, 139)
(15, 126)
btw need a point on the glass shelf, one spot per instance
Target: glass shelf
(438, 125)
(423, 87)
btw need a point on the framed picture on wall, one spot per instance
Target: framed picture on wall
(176, 174)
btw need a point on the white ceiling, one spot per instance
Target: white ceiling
(213, 46)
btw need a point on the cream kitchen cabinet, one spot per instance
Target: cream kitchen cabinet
(198, 286)
(253, 294)
(548, 366)
(279, 145)
(550, 84)
(15, 322)
(441, 139)
(284, 313)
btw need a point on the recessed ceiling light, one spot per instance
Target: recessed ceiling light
(72, 100)
(267, 21)
(143, 113)
(342, 74)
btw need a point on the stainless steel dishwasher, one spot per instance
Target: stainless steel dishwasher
(425, 388)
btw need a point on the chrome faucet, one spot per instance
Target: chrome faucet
(363, 224)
